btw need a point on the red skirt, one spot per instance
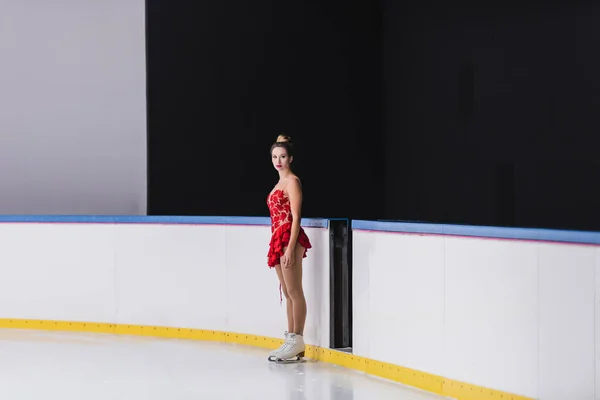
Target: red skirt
(280, 239)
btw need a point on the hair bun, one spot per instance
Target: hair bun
(284, 139)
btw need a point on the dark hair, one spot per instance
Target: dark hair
(285, 142)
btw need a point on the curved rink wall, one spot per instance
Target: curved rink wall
(467, 312)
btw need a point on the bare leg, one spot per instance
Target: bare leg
(288, 301)
(293, 282)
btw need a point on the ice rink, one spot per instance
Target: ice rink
(89, 366)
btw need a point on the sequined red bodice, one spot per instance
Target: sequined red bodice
(280, 209)
(281, 227)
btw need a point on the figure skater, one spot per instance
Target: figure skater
(287, 248)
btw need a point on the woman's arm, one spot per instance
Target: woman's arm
(295, 195)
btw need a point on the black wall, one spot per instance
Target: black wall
(491, 114)
(226, 77)
(448, 113)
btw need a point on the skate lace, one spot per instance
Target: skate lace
(287, 345)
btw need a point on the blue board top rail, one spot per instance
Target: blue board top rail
(535, 234)
(528, 234)
(158, 219)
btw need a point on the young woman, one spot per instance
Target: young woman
(288, 247)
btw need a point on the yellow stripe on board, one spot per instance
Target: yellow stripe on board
(422, 380)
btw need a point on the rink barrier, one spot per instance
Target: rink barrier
(418, 379)
(430, 382)
(552, 276)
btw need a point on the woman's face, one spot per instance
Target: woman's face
(280, 158)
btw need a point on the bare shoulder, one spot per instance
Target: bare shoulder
(296, 179)
(293, 187)
(294, 183)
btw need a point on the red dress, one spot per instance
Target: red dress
(281, 227)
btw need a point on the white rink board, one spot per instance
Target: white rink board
(515, 316)
(176, 275)
(57, 272)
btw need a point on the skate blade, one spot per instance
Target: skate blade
(286, 360)
(292, 360)
(295, 360)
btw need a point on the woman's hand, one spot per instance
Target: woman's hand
(288, 258)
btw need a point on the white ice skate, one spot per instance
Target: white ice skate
(274, 353)
(293, 351)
